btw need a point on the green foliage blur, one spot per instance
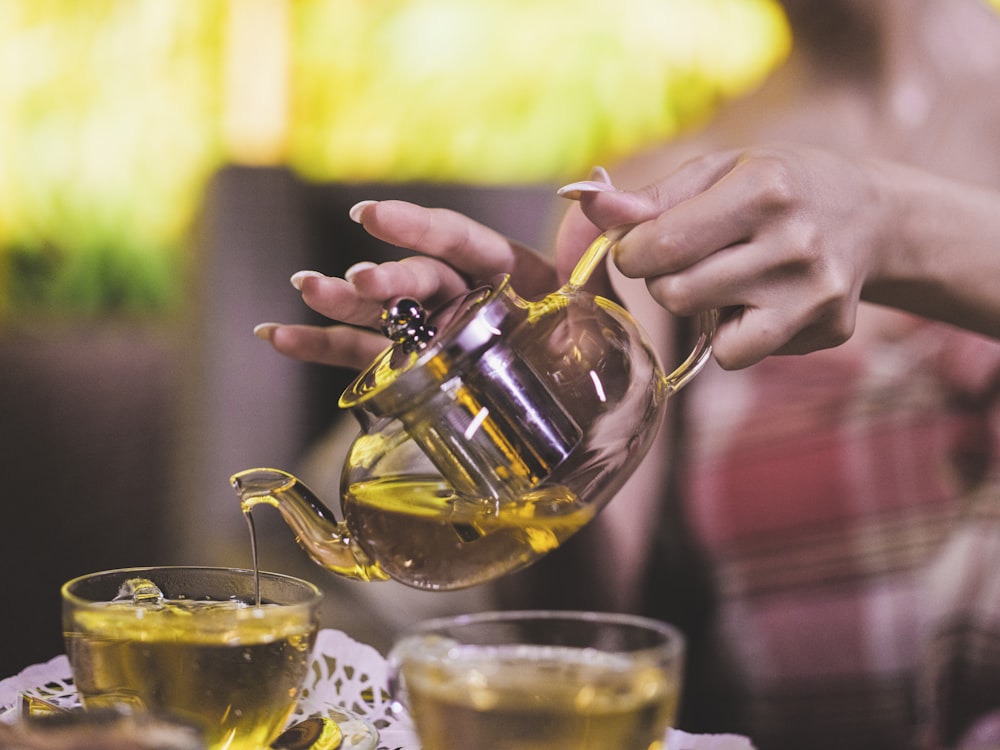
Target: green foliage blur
(107, 128)
(111, 113)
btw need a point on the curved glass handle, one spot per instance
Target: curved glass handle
(706, 324)
(706, 321)
(593, 256)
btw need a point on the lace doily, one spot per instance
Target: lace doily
(354, 676)
(344, 673)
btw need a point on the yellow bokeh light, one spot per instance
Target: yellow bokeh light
(429, 90)
(104, 131)
(122, 109)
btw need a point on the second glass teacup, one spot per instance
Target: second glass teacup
(539, 679)
(192, 643)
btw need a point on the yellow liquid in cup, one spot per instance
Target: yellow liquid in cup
(231, 669)
(538, 698)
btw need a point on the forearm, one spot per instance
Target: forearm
(940, 254)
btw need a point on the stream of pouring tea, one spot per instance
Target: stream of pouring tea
(253, 556)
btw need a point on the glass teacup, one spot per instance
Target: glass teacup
(192, 643)
(530, 680)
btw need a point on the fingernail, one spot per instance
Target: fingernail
(299, 276)
(360, 266)
(265, 331)
(600, 174)
(359, 208)
(574, 190)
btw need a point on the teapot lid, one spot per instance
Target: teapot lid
(469, 393)
(429, 349)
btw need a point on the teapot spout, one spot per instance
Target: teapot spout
(326, 540)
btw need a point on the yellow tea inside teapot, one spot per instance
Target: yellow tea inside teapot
(417, 530)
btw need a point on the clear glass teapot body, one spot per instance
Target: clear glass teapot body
(487, 445)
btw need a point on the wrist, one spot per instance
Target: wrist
(936, 253)
(909, 266)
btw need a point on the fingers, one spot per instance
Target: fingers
(453, 252)
(358, 299)
(748, 233)
(469, 246)
(788, 307)
(429, 280)
(337, 299)
(668, 217)
(337, 346)
(747, 335)
(473, 250)
(775, 269)
(732, 208)
(607, 207)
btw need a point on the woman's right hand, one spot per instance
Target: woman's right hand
(453, 254)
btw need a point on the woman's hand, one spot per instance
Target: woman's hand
(785, 240)
(780, 238)
(454, 254)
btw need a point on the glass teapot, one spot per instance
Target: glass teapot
(490, 433)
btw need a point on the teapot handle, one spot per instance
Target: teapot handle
(706, 322)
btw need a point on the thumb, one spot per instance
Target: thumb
(598, 206)
(605, 206)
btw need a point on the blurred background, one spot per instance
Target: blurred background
(166, 166)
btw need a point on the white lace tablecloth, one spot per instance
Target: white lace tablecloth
(344, 673)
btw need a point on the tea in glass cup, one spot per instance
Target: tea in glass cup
(193, 643)
(539, 681)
